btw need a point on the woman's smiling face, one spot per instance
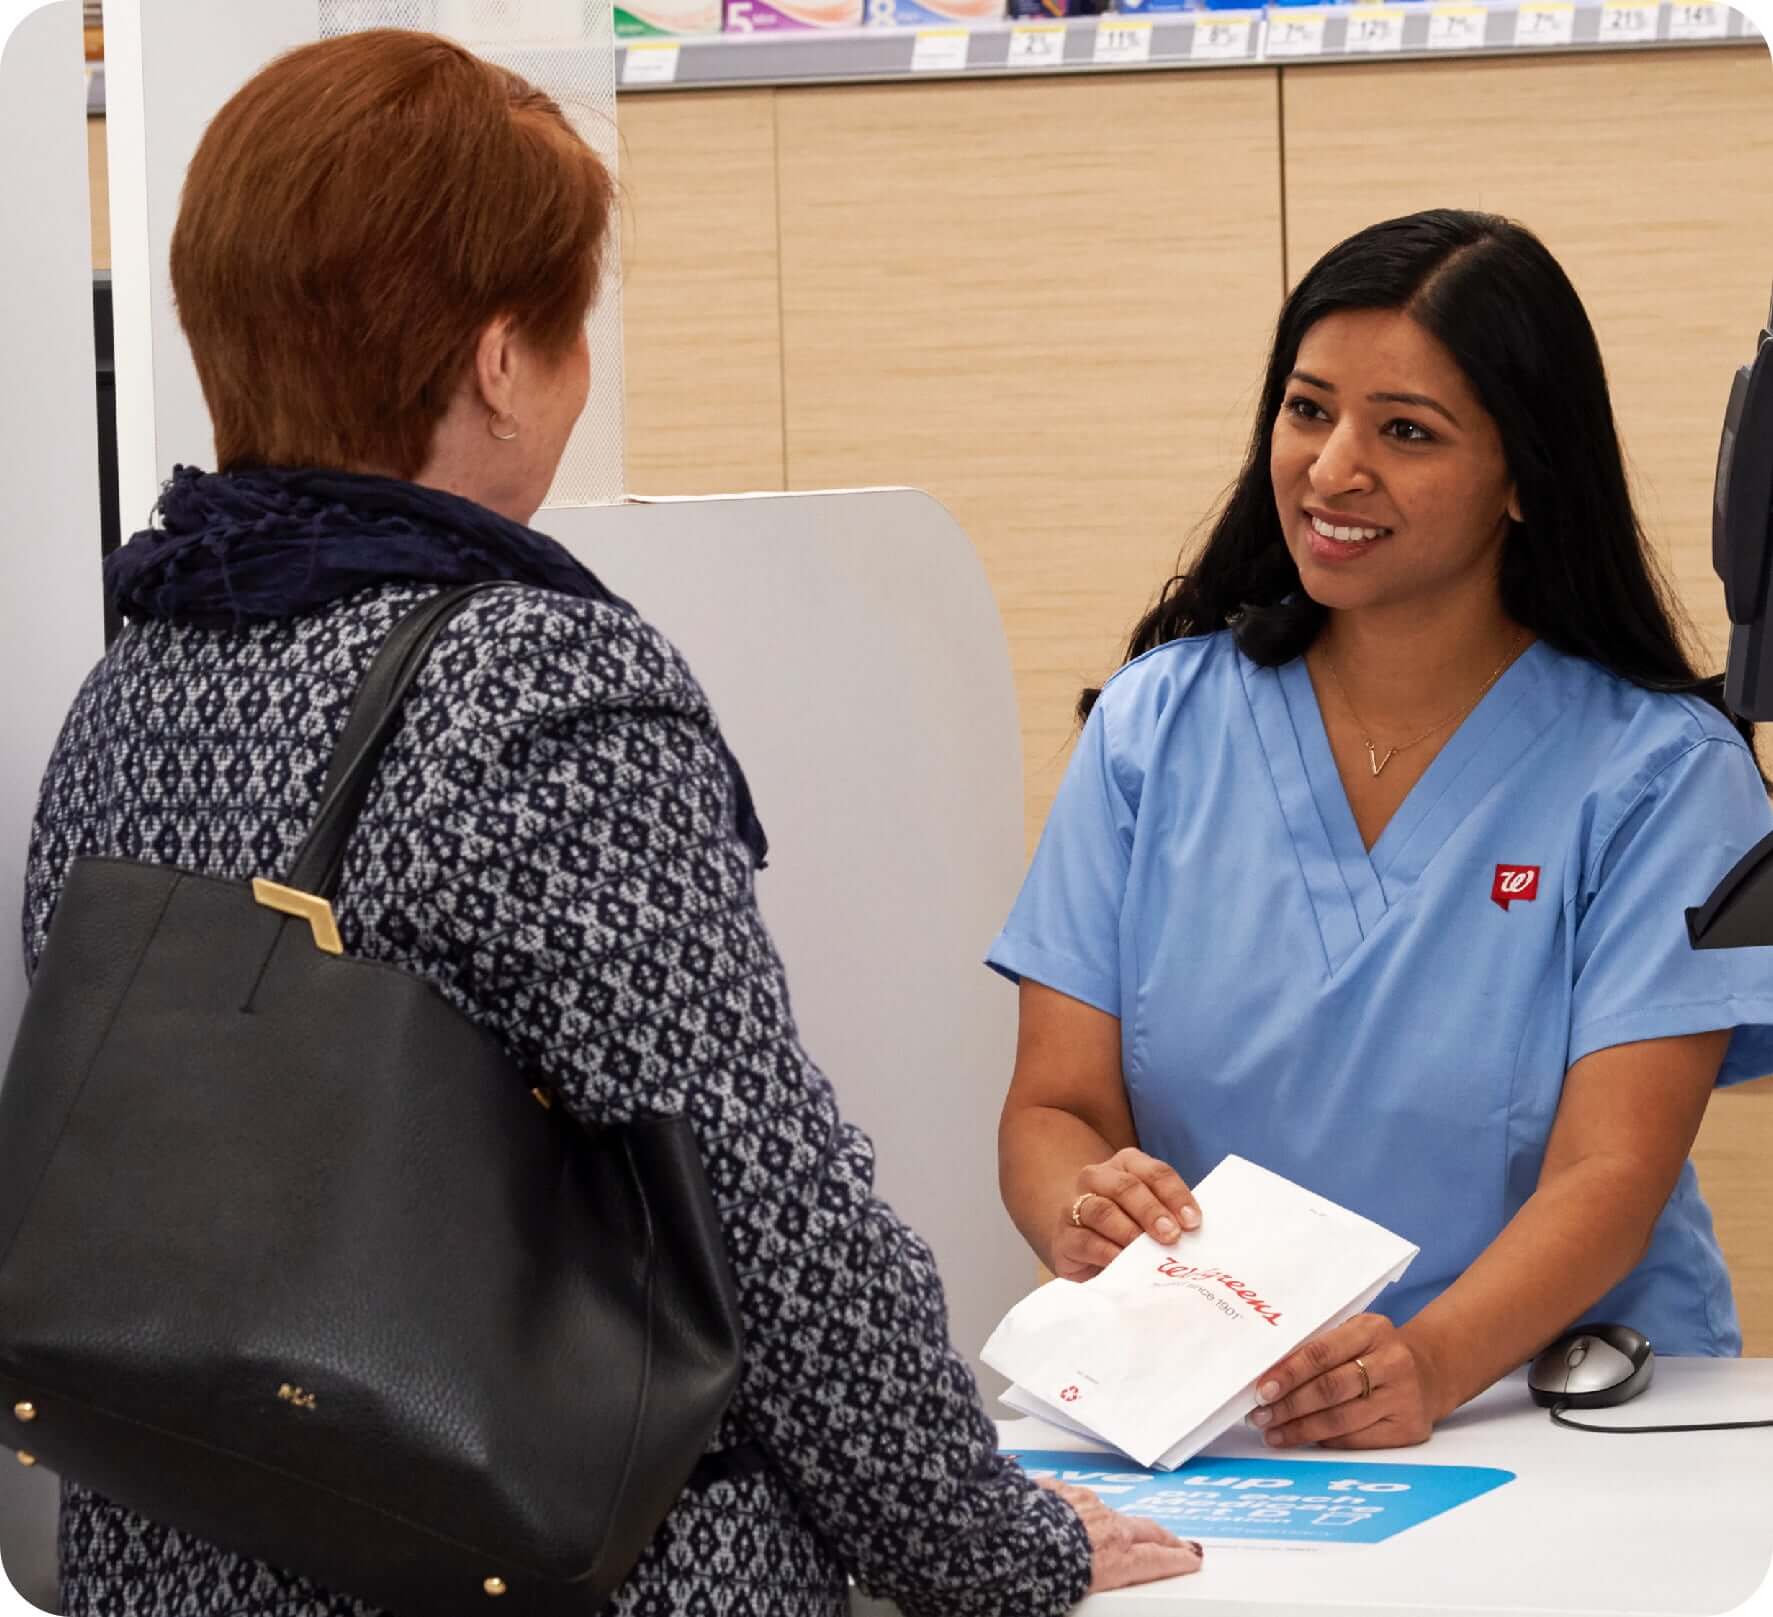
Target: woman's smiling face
(1388, 473)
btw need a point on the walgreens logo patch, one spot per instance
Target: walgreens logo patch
(1515, 884)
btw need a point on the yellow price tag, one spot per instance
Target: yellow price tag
(1628, 22)
(1296, 31)
(1221, 36)
(940, 50)
(650, 62)
(1375, 29)
(1123, 39)
(1037, 44)
(1545, 22)
(1697, 19)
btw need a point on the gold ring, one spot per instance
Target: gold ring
(1077, 1207)
(1366, 1380)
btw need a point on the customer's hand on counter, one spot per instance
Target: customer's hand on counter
(1125, 1550)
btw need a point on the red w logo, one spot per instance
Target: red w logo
(1515, 882)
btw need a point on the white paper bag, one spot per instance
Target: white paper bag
(1161, 1352)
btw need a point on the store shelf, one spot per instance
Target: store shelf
(1130, 42)
(1122, 42)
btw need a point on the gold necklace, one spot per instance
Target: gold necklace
(1373, 759)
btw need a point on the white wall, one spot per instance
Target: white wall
(51, 622)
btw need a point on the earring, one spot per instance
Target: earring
(492, 426)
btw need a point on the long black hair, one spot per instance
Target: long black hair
(1577, 571)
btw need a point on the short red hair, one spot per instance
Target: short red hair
(354, 217)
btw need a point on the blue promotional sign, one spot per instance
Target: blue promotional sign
(1271, 1501)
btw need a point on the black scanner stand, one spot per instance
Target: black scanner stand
(1739, 913)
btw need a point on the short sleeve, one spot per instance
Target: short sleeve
(1064, 930)
(1637, 974)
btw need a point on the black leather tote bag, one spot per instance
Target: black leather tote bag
(293, 1256)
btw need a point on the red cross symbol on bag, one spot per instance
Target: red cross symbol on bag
(1515, 882)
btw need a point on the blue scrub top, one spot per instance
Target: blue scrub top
(1375, 1025)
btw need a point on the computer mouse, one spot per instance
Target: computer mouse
(1592, 1367)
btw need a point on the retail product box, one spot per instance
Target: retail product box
(1056, 8)
(923, 13)
(769, 16)
(1144, 8)
(648, 19)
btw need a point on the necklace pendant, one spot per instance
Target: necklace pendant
(1376, 761)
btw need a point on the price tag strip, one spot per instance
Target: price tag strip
(1545, 22)
(1037, 44)
(1701, 19)
(1628, 22)
(1457, 28)
(940, 50)
(1295, 31)
(650, 61)
(1223, 37)
(1375, 29)
(1123, 39)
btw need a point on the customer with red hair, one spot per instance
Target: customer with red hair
(384, 259)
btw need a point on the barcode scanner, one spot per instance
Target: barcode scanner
(1742, 532)
(1739, 914)
(1605, 1364)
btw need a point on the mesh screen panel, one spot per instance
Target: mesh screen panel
(567, 49)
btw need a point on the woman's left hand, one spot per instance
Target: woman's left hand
(1317, 1395)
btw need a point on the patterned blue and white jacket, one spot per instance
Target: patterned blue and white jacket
(550, 842)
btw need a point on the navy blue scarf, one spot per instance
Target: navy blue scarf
(265, 544)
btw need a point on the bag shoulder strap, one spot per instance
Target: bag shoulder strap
(375, 716)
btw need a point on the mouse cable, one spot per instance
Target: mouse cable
(1559, 1419)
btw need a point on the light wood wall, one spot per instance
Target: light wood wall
(1050, 331)
(98, 181)
(701, 293)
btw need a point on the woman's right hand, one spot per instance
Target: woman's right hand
(1116, 1201)
(1125, 1550)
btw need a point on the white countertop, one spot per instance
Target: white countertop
(1608, 1526)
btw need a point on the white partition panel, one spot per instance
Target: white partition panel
(853, 652)
(51, 617)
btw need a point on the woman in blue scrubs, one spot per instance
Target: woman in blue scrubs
(1371, 863)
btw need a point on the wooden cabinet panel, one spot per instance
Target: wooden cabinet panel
(98, 180)
(1046, 303)
(700, 292)
(1734, 1156)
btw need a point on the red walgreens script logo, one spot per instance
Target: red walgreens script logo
(1515, 882)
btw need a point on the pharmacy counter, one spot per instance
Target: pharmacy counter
(1627, 1526)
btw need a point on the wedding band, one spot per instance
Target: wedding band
(1077, 1207)
(1366, 1380)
